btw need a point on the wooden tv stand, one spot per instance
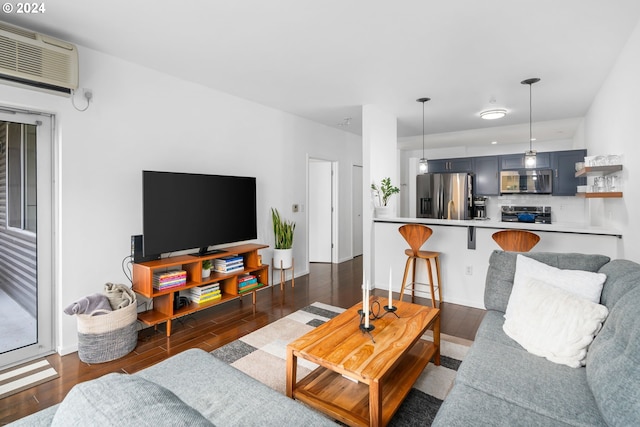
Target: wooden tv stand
(163, 310)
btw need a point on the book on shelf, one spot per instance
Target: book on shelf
(245, 277)
(171, 286)
(234, 261)
(205, 288)
(165, 281)
(249, 288)
(207, 299)
(247, 283)
(195, 291)
(227, 259)
(202, 300)
(225, 264)
(169, 279)
(223, 269)
(169, 276)
(203, 296)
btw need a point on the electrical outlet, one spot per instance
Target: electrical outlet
(468, 270)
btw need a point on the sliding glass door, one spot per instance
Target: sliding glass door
(26, 236)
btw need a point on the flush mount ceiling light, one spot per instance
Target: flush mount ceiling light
(424, 166)
(494, 114)
(530, 156)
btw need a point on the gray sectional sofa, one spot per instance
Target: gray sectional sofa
(192, 388)
(501, 384)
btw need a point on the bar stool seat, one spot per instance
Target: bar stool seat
(416, 235)
(516, 240)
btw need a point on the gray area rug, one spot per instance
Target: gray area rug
(262, 355)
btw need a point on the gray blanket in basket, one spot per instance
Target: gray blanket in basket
(119, 296)
(89, 304)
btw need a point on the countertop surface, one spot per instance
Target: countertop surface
(491, 223)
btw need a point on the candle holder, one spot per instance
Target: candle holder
(366, 329)
(391, 310)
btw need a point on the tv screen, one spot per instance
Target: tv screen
(185, 211)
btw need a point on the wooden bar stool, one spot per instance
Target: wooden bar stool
(416, 235)
(516, 240)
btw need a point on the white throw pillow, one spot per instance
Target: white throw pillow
(553, 323)
(581, 283)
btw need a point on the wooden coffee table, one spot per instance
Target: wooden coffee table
(359, 382)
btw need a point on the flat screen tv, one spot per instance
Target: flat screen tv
(185, 211)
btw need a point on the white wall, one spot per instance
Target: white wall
(379, 160)
(612, 126)
(142, 119)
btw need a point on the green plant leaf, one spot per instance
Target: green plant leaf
(385, 191)
(282, 230)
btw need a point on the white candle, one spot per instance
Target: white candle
(366, 309)
(390, 293)
(364, 297)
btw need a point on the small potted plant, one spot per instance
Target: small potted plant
(206, 268)
(283, 232)
(382, 194)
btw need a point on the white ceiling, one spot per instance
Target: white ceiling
(324, 59)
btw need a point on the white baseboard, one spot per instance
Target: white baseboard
(63, 351)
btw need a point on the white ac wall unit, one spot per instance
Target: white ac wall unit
(37, 60)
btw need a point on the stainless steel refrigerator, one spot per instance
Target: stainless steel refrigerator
(444, 195)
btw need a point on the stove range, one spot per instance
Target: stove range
(531, 214)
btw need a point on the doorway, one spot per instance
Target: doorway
(26, 236)
(321, 210)
(356, 210)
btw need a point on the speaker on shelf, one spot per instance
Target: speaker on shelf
(178, 301)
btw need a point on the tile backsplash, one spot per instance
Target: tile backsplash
(564, 209)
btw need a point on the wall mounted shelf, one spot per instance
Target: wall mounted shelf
(599, 171)
(601, 195)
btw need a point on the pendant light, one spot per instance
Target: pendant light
(424, 166)
(530, 156)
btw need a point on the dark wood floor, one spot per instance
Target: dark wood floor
(334, 284)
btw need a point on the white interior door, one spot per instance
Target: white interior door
(356, 197)
(26, 236)
(320, 211)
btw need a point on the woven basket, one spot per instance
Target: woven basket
(108, 336)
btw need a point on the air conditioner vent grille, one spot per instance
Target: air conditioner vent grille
(18, 31)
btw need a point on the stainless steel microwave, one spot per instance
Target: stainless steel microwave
(526, 181)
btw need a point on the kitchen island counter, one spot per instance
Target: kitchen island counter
(465, 247)
(497, 224)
